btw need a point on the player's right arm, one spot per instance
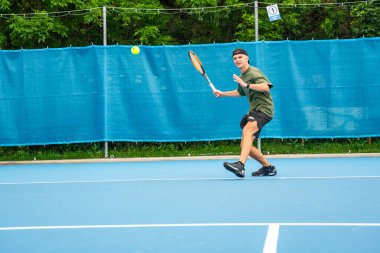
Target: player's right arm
(232, 93)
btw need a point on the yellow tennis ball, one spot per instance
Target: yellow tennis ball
(135, 50)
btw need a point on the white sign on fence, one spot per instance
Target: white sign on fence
(273, 12)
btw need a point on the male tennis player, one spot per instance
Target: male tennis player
(256, 87)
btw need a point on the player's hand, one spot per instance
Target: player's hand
(239, 81)
(218, 93)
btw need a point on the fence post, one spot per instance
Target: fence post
(105, 44)
(104, 26)
(256, 20)
(256, 6)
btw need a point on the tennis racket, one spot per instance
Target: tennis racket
(198, 66)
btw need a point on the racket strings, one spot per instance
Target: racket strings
(196, 62)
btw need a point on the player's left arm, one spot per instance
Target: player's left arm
(260, 85)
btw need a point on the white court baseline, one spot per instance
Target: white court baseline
(270, 245)
(177, 179)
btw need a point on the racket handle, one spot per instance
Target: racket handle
(212, 86)
(209, 82)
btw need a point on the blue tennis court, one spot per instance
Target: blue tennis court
(312, 205)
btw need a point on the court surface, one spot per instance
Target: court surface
(312, 205)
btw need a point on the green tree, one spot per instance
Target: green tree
(365, 20)
(208, 24)
(5, 5)
(29, 32)
(336, 22)
(60, 23)
(136, 22)
(45, 23)
(2, 40)
(151, 35)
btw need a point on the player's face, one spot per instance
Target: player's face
(240, 60)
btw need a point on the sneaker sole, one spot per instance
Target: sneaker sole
(233, 171)
(263, 175)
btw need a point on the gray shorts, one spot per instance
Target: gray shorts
(261, 118)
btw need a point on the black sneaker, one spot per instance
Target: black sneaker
(236, 168)
(265, 171)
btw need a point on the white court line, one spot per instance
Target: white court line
(186, 158)
(270, 245)
(190, 225)
(271, 240)
(179, 179)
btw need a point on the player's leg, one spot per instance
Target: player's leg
(258, 156)
(267, 169)
(247, 138)
(251, 125)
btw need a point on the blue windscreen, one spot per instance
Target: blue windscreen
(321, 89)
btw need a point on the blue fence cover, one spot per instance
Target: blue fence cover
(322, 89)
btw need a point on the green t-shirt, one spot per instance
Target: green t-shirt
(259, 101)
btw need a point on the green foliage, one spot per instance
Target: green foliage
(196, 3)
(78, 4)
(27, 32)
(80, 22)
(336, 23)
(293, 28)
(5, 5)
(211, 148)
(151, 35)
(138, 26)
(246, 29)
(365, 20)
(320, 146)
(2, 40)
